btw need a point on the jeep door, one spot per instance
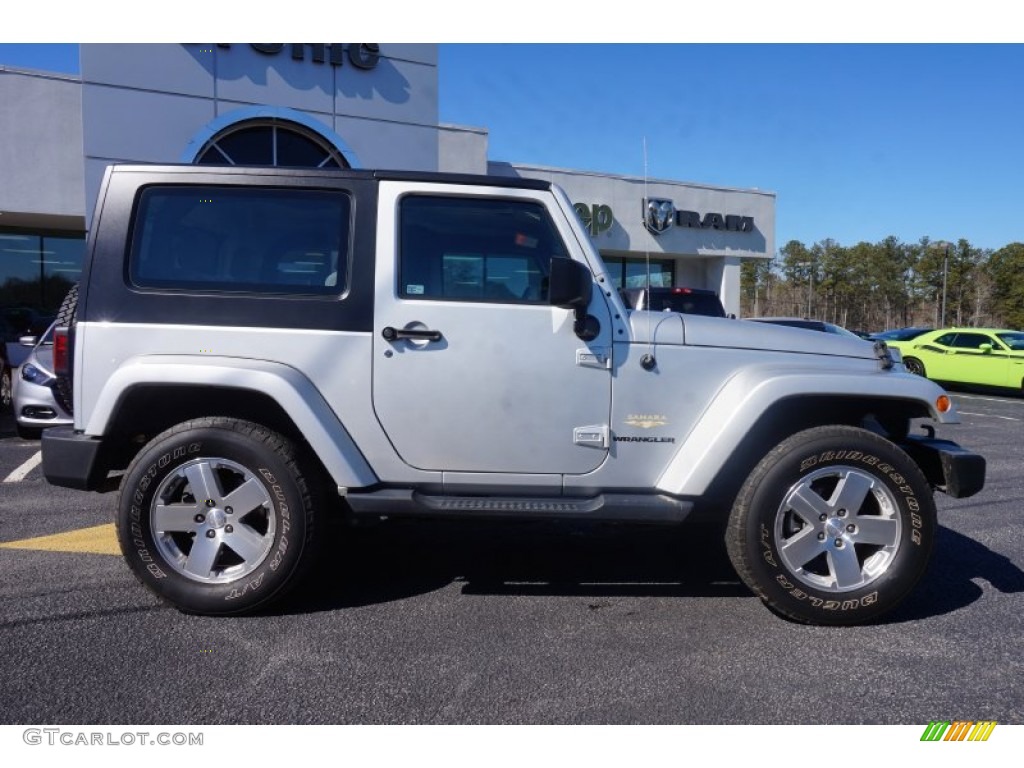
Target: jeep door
(473, 369)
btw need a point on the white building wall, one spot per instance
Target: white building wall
(148, 103)
(41, 182)
(462, 149)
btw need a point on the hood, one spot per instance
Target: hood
(697, 330)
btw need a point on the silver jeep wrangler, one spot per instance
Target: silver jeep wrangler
(256, 348)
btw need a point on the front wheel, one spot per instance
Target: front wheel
(834, 526)
(216, 517)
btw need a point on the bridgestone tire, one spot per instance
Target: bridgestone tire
(216, 517)
(67, 316)
(834, 526)
(915, 366)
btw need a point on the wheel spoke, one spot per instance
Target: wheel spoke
(246, 543)
(803, 547)
(851, 492)
(845, 567)
(225, 542)
(203, 482)
(175, 518)
(806, 503)
(201, 558)
(876, 530)
(246, 497)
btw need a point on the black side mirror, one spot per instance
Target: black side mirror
(570, 284)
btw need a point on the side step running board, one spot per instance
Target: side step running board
(626, 507)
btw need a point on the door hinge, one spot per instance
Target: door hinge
(595, 436)
(596, 357)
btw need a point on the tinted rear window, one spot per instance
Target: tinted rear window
(241, 239)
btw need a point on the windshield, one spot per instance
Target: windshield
(840, 331)
(901, 334)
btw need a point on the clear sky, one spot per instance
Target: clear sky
(858, 141)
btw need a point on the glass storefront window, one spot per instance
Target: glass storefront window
(632, 273)
(62, 267)
(37, 269)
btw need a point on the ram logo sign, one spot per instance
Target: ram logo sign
(659, 214)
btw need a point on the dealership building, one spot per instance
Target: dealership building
(338, 105)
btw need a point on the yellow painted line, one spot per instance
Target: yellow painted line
(99, 540)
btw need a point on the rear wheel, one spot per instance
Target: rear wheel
(834, 526)
(914, 366)
(216, 516)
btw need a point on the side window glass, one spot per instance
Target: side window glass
(971, 340)
(471, 249)
(241, 239)
(946, 339)
(1012, 340)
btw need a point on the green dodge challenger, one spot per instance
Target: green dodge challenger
(989, 357)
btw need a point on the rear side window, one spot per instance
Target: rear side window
(241, 239)
(474, 249)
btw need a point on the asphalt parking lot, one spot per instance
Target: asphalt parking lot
(432, 623)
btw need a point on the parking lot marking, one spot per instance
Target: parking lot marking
(98, 540)
(991, 399)
(24, 469)
(992, 415)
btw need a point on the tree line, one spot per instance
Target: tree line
(888, 284)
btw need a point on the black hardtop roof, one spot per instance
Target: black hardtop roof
(515, 182)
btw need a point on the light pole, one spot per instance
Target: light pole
(945, 268)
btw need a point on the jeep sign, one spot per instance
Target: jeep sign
(596, 218)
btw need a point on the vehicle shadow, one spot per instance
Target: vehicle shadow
(949, 584)
(401, 559)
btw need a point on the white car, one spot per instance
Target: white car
(35, 407)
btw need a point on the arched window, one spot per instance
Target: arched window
(270, 141)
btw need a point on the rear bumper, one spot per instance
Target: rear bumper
(72, 460)
(951, 469)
